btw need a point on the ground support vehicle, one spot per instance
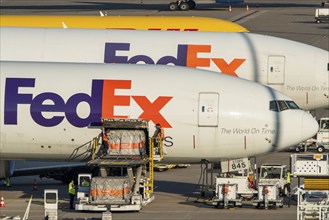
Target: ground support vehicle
(322, 137)
(312, 204)
(268, 196)
(321, 15)
(125, 178)
(272, 185)
(51, 204)
(313, 196)
(234, 184)
(183, 5)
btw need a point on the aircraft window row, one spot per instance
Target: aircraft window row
(280, 105)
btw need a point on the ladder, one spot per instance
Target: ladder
(154, 156)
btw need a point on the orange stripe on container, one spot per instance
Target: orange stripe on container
(116, 146)
(109, 192)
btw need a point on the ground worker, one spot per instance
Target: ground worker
(289, 187)
(105, 141)
(72, 194)
(288, 181)
(158, 135)
(6, 182)
(85, 182)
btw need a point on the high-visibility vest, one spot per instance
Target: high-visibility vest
(85, 183)
(71, 188)
(7, 182)
(288, 177)
(105, 138)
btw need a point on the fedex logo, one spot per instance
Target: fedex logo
(101, 101)
(187, 55)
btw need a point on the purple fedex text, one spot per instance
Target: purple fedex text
(111, 56)
(102, 102)
(13, 98)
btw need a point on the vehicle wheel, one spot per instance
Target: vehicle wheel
(183, 6)
(191, 4)
(285, 191)
(320, 149)
(297, 149)
(318, 21)
(173, 6)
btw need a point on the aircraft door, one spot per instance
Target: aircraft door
(276, 70)
(208, 109)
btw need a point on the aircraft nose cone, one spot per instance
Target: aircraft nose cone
(309, 126)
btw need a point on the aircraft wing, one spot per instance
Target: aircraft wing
(58, 171)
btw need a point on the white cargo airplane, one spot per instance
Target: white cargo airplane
(46, 109)
(298, 70)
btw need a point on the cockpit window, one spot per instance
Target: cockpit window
(292, 105)
(273, 106)
(281, 105)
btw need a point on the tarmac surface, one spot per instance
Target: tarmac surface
(176, 191)
(291, 19)
(177, 196)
